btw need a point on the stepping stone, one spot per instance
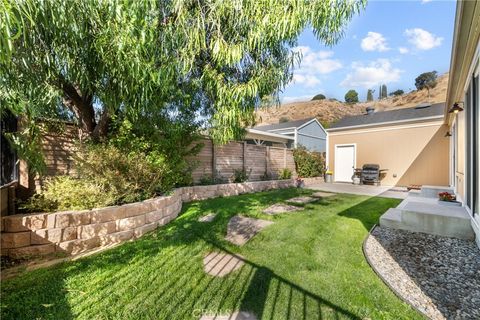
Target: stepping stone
(281, 208)
(208, 218)
(219, 264)
(242, 315)
(241, 229)
(302, 200)
(322, 194)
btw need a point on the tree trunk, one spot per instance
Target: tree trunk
(82, 106)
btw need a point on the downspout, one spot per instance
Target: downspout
(296, 138)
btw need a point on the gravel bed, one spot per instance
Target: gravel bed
(439, 276)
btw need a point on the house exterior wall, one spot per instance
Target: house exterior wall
(463, 86)
(313, 137)
(413, 154)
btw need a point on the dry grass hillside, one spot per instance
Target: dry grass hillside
(327, 111)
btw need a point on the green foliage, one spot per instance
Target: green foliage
(207, 180)
(383, 91)
(319, 97)
(109, 59)
(240, 175)
(426, 80)
(284, 174)
(308, 164)
(67, 193)
(370, 95)
(351, 96)
(129, 167)
(283, 119)
(398, 92)
(325, 124)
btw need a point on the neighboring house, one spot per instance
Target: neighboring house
(464, 90)
(307, 132)
(410, 143)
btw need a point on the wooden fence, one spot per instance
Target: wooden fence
(213, 161)
(221, 161)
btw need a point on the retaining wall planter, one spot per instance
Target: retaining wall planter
(73, 232)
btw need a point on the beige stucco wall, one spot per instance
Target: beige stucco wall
(412, 154)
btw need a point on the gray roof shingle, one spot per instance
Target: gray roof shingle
(283, 125)
(405, 114)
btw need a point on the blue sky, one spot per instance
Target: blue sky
(390, 42)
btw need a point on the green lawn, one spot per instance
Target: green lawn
(308, 265)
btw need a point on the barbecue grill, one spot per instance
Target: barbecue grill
(370, 174)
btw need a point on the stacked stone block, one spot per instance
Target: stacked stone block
(73, 232)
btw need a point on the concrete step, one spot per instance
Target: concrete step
(415, 193)
(392, 219)
(433, 191)
(426, 215)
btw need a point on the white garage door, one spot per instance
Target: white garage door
(344, 162)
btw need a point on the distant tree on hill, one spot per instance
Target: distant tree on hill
(283, 119)
(319, 97)
(351, 96)
(370, 95)
(426, 80)
(398, 92)
(383, 91)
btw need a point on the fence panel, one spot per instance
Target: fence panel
(256, 161)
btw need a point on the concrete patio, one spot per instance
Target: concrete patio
(367, 190)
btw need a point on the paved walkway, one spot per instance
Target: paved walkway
(378, 191)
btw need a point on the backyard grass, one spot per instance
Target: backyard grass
(307, 265)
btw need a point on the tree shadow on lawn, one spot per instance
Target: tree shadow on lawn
(161, 276)
(368, 211)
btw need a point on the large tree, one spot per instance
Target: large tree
(370, 95)
(96, 60)
(426, 80)
(351, 96)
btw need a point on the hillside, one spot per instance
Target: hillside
(327, 111)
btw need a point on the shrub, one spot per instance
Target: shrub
(351, 96)
(67, 193)
(283, 120)
(319, 97)
(308, 164)
(206, 180)
(240, 175)
(284, 174)
(398, 92)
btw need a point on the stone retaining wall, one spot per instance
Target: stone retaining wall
(73, 232)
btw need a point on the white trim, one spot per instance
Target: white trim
(269, 134)
(327, 153)
(384, 123)
(437, 123)
(335, 157)
(311, 136)
(286, 133)
(288, 128)
(472, 69)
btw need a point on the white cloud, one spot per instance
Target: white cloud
(308, 80)
(374, 41)
(422, 39)
(403, 50)
(426, 1)
(373, 74)
(313, 65)
(297, 98)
